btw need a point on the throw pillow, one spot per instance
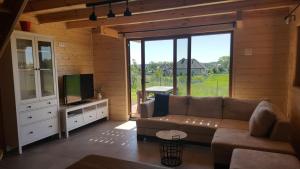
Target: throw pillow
(262, 120)
(161, 105)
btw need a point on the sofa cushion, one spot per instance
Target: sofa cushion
(178, 105)
(210, 107)
(161, 105)
(250, 159)
(234, 124)
(262, 120)
(238, 109)
(225, 140)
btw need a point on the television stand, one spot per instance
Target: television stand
(75, 116)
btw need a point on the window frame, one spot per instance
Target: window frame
(174, 38)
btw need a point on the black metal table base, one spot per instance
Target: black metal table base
(171, 152)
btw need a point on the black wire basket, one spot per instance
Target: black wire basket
(171, 152)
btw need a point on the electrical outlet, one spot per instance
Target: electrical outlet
(248, 52)
(61, 44)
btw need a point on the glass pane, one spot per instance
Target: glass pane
(45, 55)
(47, 85)
(24, 53)
(210, 65)
(26, 69)
(46, 68)
(135, 74)
(159, 66)
(182, 62)
(27, 84)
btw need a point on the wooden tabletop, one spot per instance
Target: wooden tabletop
(171, 134)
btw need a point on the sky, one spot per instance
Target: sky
(205, 48)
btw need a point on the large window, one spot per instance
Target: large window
(196, 65)
(210, 65)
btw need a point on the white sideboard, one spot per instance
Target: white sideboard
(75, 116)
(30, 90)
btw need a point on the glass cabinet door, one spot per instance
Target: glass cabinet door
(46, 68)
(26, 69)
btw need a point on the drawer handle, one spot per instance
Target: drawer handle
(49, 112)
(75, 121)
(50, 126)
(29, 107)
(31, 132)
(91, 116)
(30, 117)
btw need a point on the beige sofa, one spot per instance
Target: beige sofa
(253, 159)
(221, 122)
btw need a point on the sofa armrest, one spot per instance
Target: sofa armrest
(147, 108)
(281, 131)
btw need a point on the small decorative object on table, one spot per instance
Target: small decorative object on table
(171, 147)
(25, 26)
(98, 93)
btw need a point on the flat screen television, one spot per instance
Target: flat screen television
(78, 88)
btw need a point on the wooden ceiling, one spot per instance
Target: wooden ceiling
(148, 14)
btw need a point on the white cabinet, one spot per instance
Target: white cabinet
(76, 116)
(35, 89)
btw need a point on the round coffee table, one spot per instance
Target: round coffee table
(171, 147)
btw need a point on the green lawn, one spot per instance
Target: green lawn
(212, 85)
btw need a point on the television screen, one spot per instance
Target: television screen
(72, 90)
(78, 88)
(87, 86)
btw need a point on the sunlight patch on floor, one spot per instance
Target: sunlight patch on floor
(129, 125)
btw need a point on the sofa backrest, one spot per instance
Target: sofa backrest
(178, 105)
(210, 107)
(238, 109)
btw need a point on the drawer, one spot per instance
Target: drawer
(90, 116)
(75, 122)
(102, 112)
(37, 105)
(38, 115)
(38, 131)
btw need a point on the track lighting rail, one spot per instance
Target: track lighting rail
(103, 2)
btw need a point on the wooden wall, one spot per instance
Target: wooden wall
(110, 73)
(294, 92)
(76, 55)
(260, 68)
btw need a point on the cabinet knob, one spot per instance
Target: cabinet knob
(49, 112)
(29, 107)
(30, 117)
(50, 126)
(31, 132)
(91, 116)
(75, 121)
(49, 102)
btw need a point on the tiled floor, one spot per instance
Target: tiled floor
(113, 139)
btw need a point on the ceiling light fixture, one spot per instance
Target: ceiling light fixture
(127, 12)
(110, 13)
(93, 16)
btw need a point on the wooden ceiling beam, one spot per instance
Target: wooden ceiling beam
(180, 32)
(183, 13)
(181, 23)
(139, 6)
(39, 5)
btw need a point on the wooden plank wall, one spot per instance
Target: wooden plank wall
(264, 73)
(294, 92)
(76, 55)
(110, 73)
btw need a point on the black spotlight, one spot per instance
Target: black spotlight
(127, 12)
(110, 13)
(93, 16)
